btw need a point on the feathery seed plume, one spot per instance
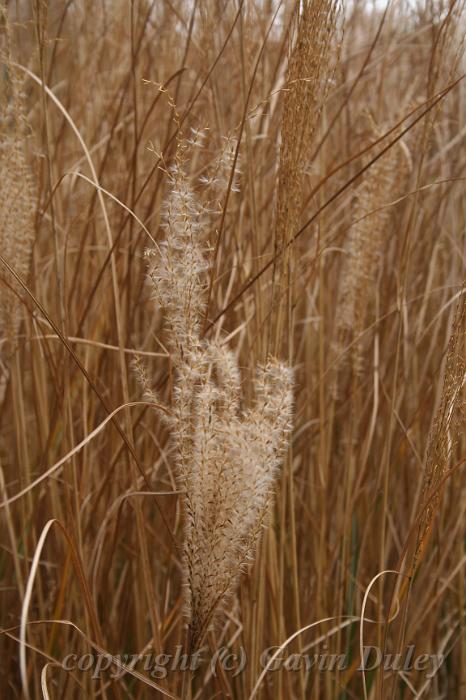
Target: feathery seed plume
(227, 458)
(17, 199)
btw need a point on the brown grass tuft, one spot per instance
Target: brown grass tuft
(296, 171)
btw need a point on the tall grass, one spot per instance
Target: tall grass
(215, 216)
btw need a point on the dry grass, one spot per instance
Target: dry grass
(296, 172)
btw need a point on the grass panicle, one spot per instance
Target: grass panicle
(227, 456)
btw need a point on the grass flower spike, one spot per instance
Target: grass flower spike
(227, 457)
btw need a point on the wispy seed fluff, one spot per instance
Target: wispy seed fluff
(225, 164)
(227, 458)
